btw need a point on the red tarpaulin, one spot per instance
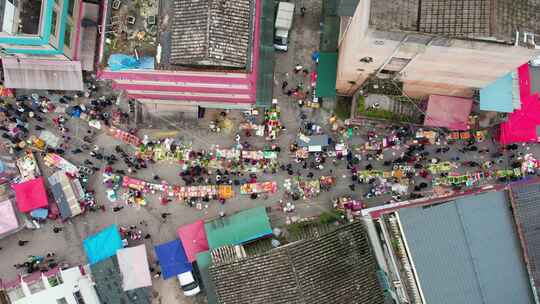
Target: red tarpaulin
(448, 112)
(30, 195)
(522, 124)
(193, 238)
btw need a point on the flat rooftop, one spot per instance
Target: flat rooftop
(495, 20)
(467, 251)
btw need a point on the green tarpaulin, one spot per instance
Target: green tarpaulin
(326, 74)
(239, 228)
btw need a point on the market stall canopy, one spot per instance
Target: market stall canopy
(327, 74)
(523, 124)
(448, 112)
(30, 195)
(240, 228)
(314, 143)
(103, 244)
(8, 218)
(65, 75)
(133, 263)
(172, 259)
(193, 237)
(501, 95)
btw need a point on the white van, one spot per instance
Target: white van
(188, 284)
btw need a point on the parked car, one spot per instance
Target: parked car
(188, 284)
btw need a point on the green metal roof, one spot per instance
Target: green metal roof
(204, 261)
(326, 74)
(242, 227)
(265, 77)
(346, 7)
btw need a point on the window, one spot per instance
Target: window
(61, 301)
(67, 35)
(55, 280)
(15, 293)
(53, 24)
(71, 6)
(78, 297)
(36, 286)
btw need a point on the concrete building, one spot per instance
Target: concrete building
(436, 46)
(44, 46)
(186, 55)
(56, 286)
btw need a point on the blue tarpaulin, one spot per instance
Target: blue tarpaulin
(172, 259)
(118, 62)
(103, 244)
(497, 96)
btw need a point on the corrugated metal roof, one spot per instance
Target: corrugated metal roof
(265, 79)
(42, 74)
(466, 251)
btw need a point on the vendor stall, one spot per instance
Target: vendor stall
(314, 143)
(55, 160)
(263, 187)
(28, 166)
(124, 136)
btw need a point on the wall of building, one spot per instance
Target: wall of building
(73, 281)
(427, 64)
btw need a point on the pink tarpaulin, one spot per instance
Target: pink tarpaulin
(193, 238)
(30, 195)
(448, 112)
(8, 219)
(522, 124)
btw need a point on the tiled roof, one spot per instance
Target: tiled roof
(478, 19)
(337, 267)
(527, 213)
(211, 32)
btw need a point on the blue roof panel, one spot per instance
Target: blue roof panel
(498, 95)
(172, 259)
(466, 251)
(103, 244)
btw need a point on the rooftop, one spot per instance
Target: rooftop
(495, 20)
(452, 247)
(527, 212)
(211, 32)
(108, 279)
(336, 267)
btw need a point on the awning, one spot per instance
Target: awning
(240, 228)
(8, 218)
(522, 125)
(448, 112)
(103, 244)
(314, 142)
(172, 259)
(133, 264)
(193, 237)
(498, 95)
(42, 74)
(326, 74)
(30, 195)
